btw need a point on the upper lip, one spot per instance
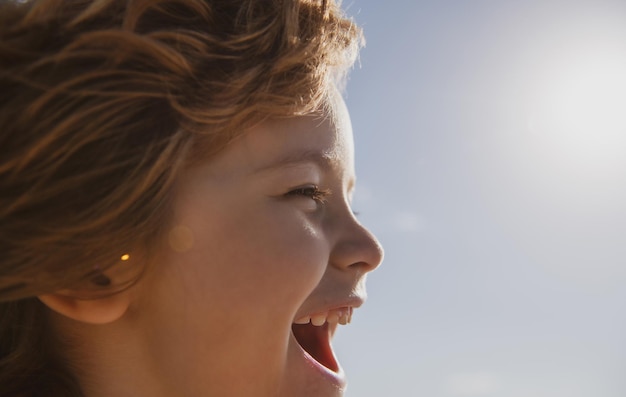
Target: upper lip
(352, 301)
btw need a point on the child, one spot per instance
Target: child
(175, 182)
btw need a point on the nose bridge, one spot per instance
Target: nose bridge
(356, 246)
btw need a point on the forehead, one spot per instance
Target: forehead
(324, 139)
(283, 143)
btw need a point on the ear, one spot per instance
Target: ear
(93, 311)
(103, 298)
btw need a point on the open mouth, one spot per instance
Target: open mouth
(314, 334)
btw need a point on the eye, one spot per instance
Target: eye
(313, 192)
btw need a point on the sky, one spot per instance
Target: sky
(491, 161)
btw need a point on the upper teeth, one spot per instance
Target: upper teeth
(342, 316)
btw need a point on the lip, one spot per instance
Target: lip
(353, 301)
(336, 378)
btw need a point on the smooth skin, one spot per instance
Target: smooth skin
(261, 234)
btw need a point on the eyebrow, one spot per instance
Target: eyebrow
(317, 157)
(320, 158)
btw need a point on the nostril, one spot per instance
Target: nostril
(358, 250)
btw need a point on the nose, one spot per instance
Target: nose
(356, 247)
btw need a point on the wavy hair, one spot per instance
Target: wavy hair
(102, 104)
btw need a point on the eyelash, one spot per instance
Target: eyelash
(312, 192)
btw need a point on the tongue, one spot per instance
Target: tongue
(315, 341)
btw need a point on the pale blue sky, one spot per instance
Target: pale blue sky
(491, 157)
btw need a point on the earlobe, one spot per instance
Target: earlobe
(103, 298)
(92, 311)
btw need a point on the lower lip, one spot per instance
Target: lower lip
(337, 379)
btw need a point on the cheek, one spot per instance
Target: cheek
(255, 259)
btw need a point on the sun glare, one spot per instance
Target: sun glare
(585, 109)
(580, 114)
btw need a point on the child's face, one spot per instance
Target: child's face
(254, 248)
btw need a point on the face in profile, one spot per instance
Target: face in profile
(265, 259)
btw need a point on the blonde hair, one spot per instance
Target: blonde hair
(104, 102)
